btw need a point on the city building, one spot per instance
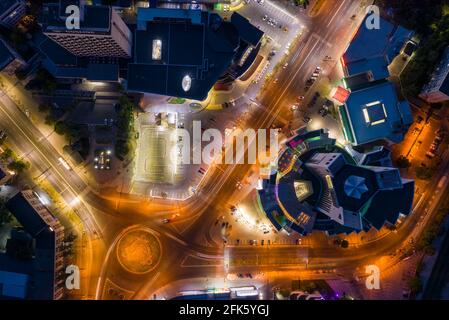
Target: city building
(11, 11)
(374, 113)
(370, 109)
(33, 262)
(10, 60)
(183, 53)
(372, 50)
(437, 90)
(102, 32)
(63, 64)
(321, 185)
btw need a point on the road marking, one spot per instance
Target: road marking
(90, 217)
(336, 12)
(175, 238)
(208, 256)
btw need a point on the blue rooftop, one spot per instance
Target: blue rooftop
(374, 49)
(374, 113)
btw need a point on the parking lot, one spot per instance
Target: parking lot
(272, 19)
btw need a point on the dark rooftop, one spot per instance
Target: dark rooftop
(43, 265)
(93, 18)
(174, 45)
(5, 5)
(5, 55)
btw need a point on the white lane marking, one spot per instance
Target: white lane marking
(336, 12)
(175, 238)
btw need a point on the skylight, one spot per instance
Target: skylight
(186, 83)
(156, 53)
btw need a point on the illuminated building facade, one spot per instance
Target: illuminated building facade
(321, 185)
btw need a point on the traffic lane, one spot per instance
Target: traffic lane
(23, 127)
(32, 139)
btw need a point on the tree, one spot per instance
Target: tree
(7, 153)
(18, 166)
(403, 162)
(423, 173)
(415, 285)
(344, 243)
(44, 107)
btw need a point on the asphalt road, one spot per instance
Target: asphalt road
(327, 34)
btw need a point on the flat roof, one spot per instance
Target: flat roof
(374, 49)
(375, 113)
(5, 55)
(369, 43)
(181, 53)
(6, 4)
(44, 263)
(94, 18)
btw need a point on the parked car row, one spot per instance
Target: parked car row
(435, 144)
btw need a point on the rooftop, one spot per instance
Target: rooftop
(375, 113)
(333, 189)
(42, 267)
(94, 18)
(61, 63)
(6, 4)
(374, 49)
(183, 53)
(6, 56)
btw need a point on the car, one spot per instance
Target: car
(300, 98)
(430, 155)
(322, 112)
(294, 107)
(276, 80)
(309, 82)
(262, 242)
(165, 221)
(285, 65)
(419, 120)
(306, 119)
(265, 17)
(253, 242)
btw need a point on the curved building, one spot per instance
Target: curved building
(321, 185)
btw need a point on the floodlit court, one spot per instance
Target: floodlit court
(158, 145)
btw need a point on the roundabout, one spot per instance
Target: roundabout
(139, 251)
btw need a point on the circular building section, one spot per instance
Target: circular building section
(321, 185)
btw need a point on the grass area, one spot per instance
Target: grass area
(174, 100)
(126, 142)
